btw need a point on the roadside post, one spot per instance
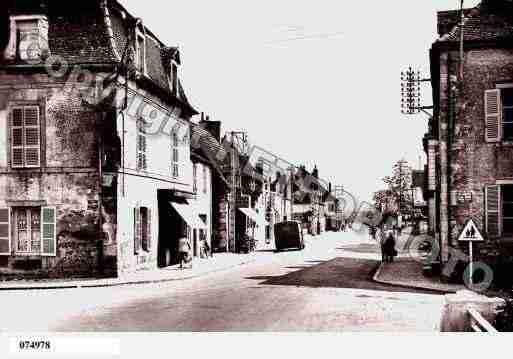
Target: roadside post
(470, 234)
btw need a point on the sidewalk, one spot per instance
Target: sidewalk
(407, 271)
(220, 261)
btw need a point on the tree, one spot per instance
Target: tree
(397, 197)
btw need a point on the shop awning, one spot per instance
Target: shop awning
(189, 215)
(257, 217)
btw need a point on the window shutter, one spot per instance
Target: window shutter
(493, 217)
(25, 137)
(5, 231)
(17, 137)
(137, 230)
(32, 137)
(148, 227)
(48, 231)
(492, 103)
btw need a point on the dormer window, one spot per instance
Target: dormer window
(141, 52)
(28, 40)
(28, 44)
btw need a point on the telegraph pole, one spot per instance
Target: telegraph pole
(400, 188)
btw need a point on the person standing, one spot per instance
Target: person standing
(184, 249)
(389, 248)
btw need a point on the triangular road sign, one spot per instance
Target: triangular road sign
(470, 233)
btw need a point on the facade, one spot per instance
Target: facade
(92, 152)
(309, 201)
(210, 187)
(245, 215)
(468, 145)
(275, 203)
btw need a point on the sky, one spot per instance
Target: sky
(315, 82)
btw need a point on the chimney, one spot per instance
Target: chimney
(214, 127)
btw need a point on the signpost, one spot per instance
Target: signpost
(470, 234)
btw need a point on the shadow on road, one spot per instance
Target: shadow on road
(361, 248)
(346, 273)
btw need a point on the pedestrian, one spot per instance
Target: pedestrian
(373, 230)
(184, 249)
(389, 248)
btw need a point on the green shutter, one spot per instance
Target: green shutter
(48, 231)
(5, 232)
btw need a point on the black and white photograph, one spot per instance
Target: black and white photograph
(255, 178)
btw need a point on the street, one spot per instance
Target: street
(326, 287)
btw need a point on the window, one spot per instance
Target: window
(507, 113)
(175, 156)
(499, 114)
(507, 209)
(29, 47)
(195, 178)
(141, 53)
(34, 231)
(204, 179)
(499, 210)
(28, 38)
(27, 230)
(25, 143)
(142, 229)
(142, 164)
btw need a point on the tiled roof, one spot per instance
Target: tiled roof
(480, 23)
(158, 56)
(78, 32)
(205, 144)
(207, 148)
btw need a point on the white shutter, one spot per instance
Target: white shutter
(5, 231)
(493, 111)
(493, 210)
(48, 231)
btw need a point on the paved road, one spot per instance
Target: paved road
(326, 287)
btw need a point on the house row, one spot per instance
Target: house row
(104, 163)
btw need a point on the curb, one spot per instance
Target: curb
(376, 279)
(118, 284)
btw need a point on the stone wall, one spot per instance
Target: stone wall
(474, 162)
(67, 179)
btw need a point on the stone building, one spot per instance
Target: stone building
(94, 150)
(469, 144)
